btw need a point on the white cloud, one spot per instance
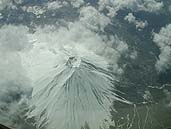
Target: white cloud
(52, 5)
(152, 5)
(1, 16)
(13, 38)
(12, 41)
(132, 19)
(134, 54)
(77, 3)
(18, 1)
(14, 82)
(9, 3)
(13, 115)
(113, 6)
(5, 3)
(92, 19)
(56, 5)
(163, 41)
(37, 10)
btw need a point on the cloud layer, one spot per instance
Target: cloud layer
(14, 83)
(163, 41)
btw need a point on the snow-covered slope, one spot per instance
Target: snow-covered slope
(75, 92)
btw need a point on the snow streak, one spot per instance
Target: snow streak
(74, 93)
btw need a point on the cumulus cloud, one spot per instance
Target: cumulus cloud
(114, 6)
(55, 5)
(9, 3)
(14, 38)
(134, 54)
(77, 3)
(37, 10)
(1, 16)
(163, 41)
(5, 4)
(58, 4)
(132, 19)
(14, 82)
(93, 19)
(18, 1)
(152, 5)
(51, 5)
